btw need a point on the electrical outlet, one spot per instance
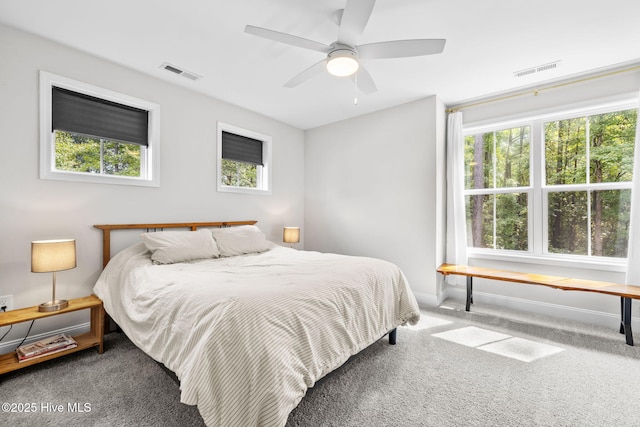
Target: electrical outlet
(6, 301)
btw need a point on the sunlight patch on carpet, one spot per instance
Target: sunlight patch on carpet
(471, 336)
(521, 349)
(427, 322)
(498, 343)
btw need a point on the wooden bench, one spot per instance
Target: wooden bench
(625, 292)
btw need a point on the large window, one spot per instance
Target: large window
(92, 134)
(244, 159)
(552, 186)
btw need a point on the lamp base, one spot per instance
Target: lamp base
(56, 305)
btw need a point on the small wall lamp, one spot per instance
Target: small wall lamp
(49, 256)
(291, 235)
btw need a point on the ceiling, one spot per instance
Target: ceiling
(487, 41)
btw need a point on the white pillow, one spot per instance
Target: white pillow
(168, 247)
(244, 239)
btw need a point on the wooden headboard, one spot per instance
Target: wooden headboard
(106, 231)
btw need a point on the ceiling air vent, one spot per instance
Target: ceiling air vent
(183, 73)
(537, 69)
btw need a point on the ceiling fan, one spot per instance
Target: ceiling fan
(343, 55)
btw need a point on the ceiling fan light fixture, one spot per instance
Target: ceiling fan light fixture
(342, 63)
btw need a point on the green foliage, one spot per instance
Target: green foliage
(593, 222)
(121, 159)
(239, 174)
(501, 157)
(606, 223)
(87, 154)
(76, 153)
(612, 138)
(511, 221)
(498, 160)
(508, 212)
(565, 151)
(568, 222)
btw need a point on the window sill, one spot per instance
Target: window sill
(600, 264)
(98, 179)
(243, 190)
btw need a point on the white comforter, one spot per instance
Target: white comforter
(248, 335)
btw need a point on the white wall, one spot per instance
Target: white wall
(32, 209)
(372, 188)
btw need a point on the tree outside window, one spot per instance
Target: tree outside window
(497, 170)
(87, 154)
(239, 174)
(596, 153)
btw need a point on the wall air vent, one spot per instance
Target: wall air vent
(537, 69)
(183, 73)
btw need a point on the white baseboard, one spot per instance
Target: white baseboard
(600, 318)
(429, 300)
(9, 346)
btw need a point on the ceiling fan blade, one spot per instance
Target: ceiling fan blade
(354, 19)
(401, 48)
(364, 81)
(287, 39)
(315, 69)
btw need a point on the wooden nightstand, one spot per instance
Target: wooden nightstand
(93, 338)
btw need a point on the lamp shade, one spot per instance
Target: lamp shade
(53, 255)
(291, 235)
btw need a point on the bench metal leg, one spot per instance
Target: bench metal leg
(625, 324)
(469, 293)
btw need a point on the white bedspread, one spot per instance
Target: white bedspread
(248, 335)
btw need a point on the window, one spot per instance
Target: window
(556, 186)
(92, 134)
(498, 187)
(243, 160)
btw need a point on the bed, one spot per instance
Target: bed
(247, 325)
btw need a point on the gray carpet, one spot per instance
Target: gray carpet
(592, 379)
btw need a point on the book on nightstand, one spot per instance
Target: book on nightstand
(45, 347)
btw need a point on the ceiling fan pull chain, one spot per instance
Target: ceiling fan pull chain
(355, 89)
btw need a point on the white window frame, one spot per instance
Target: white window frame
(149, 155)
(538, 190)
(528, 189)
(263, 174)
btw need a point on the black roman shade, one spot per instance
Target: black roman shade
(241, 148)
(79, 113)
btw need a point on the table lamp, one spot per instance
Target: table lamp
(291, 235)
(50, 256)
